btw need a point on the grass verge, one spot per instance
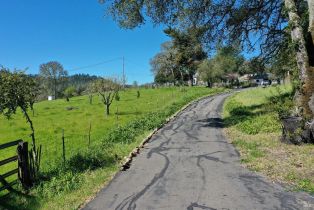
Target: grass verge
(252, 124)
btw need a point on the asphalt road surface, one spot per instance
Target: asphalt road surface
(189, 164)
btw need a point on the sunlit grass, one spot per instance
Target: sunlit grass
(253, 125)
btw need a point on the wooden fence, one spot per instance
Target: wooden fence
(22, 166)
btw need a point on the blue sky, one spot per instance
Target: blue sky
(77, 34)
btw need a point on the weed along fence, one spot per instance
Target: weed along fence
(22, 168)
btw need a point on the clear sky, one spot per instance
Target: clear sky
(77, 34)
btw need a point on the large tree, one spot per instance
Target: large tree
(178, 59)
(189, 50)
(53, 75)
(163, 64)
(251, 22)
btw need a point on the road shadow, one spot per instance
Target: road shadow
(212, 122)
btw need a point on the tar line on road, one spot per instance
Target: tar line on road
(189, 164)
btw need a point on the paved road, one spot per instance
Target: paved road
(189, 164)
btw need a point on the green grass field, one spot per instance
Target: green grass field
(252, 124)
(112, 138)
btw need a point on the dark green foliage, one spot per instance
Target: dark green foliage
(69, 92)
(138, 94)
(80, 81)
(117, 97)
(177, 62)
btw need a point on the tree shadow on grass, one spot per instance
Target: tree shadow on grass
(215, 122)
(19, 201)
(80, 162)
(237, 115)
(241, 113)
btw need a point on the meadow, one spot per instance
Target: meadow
(88, 166)
(252, 121)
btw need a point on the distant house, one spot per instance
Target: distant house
(261, 79)
(197, 80)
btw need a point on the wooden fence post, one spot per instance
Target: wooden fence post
(63, 146)
(89, 131)
(23, 165)
(117, 116)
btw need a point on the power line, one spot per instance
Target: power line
(125, 63)
(93, 65)
(135, 64)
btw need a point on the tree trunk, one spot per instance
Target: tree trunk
(28, 119)
(306, 89)
(55, 87)
(192, 81)
(209, 84)
(173, 78)
(181, 77)
(34, 151)
(311, 17)
(90, 99)
(311, 75)
(108, 103)
(300, 129)
(107, 109)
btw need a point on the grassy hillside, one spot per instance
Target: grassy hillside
(253, 126)
(112, 138)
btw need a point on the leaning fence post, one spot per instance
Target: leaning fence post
(89, 131)
(23, 165)
(63, 146)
